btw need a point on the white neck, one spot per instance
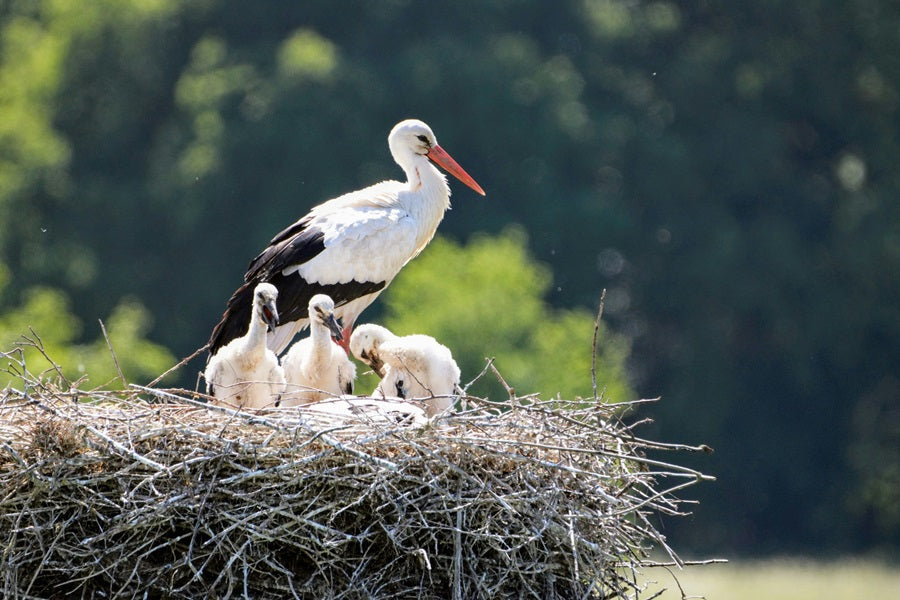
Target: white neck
(428, 196)
(319, 333)
(256, 333)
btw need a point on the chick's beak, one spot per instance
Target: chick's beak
(270, 315)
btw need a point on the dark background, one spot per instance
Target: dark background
(728, 171)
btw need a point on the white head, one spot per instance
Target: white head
(411, 136)
(411, 139)
(365, 341)
(321, 312)
(265, 296)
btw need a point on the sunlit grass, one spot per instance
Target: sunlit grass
(781, 579)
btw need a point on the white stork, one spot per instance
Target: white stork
(315, 367)
(412, 366)
(351, 247)
(245, 373)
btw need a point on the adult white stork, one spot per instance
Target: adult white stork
(245, 373)
(315, 368)
(352, 246)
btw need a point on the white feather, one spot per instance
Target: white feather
(244, 373)
(315, 367)
(413, 366)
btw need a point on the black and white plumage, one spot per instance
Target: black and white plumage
(353, 246)
(315, 367)
(245, 373)
(411, 366)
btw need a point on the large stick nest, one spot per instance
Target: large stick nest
(152, 494)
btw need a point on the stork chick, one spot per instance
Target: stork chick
(315, 367)
(244, 373)
(412, 366)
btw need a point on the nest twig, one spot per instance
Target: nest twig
(151, 493)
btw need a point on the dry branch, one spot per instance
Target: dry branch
(152, 493)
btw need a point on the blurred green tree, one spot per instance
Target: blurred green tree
(487, 300)
(46, 331)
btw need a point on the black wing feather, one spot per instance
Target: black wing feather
(296, 245)
(300, 292)
(299, 243)
(235, 320)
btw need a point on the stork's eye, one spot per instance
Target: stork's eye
(423, 139)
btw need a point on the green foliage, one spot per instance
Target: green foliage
(307, 54)
(32, 153)
(139, 359)
(487, 299)
(45, 318)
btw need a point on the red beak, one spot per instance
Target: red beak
(439, 156)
